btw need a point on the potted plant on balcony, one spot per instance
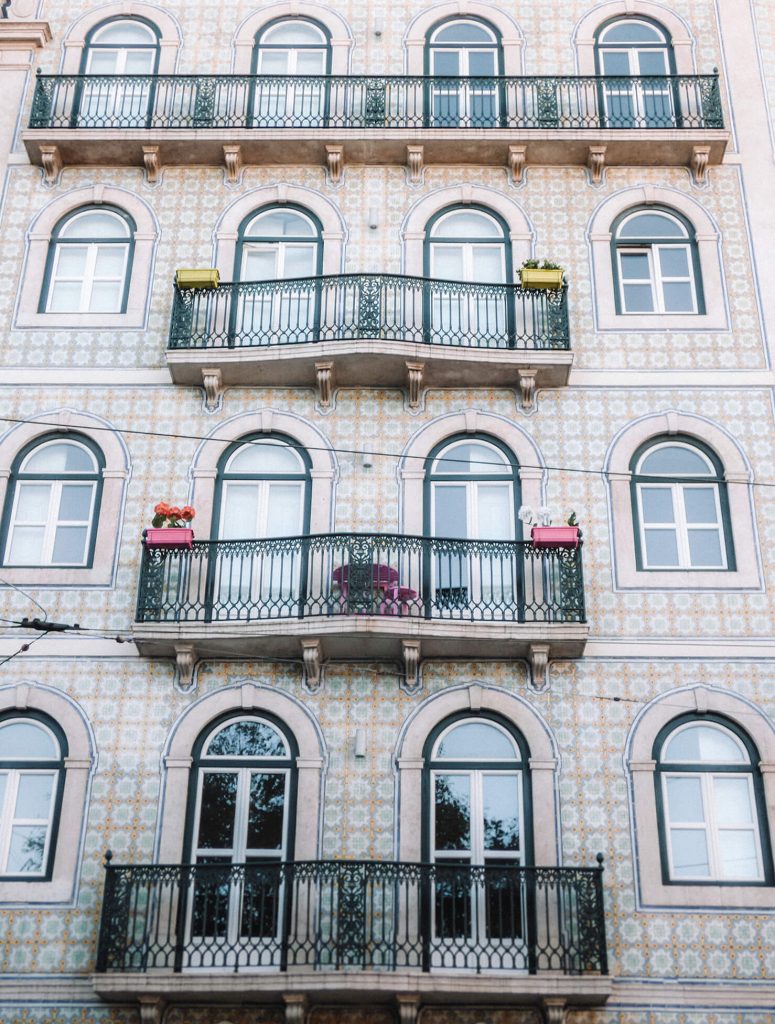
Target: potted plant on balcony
(541, 274)
(544, 535)
(167, 529)
(204, 277)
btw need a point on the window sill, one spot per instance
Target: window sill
(744, 578)
(53, 577)
(697, 896)
(132, 318)
(639, 323)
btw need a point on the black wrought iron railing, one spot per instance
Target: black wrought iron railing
(388, 307)
(337, 915)
(383, 102)
(361, 574)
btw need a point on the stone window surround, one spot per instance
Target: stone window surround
(170, 36)
(587, 26)
(79, 765)
(739, 477)
(324, 472)
(411, 468)
(708, 240)
(415, 39)
(651, 891)
(227, 229)
(543, 763)
(413, 228)
(339, 30)
(38, 240)
(244, 697)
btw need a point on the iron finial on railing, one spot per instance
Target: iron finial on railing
(108, 857)
(600, 858)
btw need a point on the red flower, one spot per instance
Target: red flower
(162, 509)
(187, 513)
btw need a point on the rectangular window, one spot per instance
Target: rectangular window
(656, 279)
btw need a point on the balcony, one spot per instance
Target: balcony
(270, 119)
(362, 595)
(414, 332)
(352, 931)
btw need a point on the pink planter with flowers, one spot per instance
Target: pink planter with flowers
(555, 536)
(175, 538)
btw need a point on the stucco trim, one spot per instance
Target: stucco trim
(512, 39)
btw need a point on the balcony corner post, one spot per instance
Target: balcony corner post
(408, 1008)
(539, 666)
(554, 1010)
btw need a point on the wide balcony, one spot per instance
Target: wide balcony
(346, 596)
(271, 119)
(415, 333)
(352, 931)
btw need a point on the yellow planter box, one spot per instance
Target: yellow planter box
(541, 278)
(206, 278)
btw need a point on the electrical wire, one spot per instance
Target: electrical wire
(23, 649)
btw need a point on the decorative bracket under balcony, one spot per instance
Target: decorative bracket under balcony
(312, 657)
(212, 382)
(185, 662)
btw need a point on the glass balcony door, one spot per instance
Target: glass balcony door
(637, 51)
(297, 50)
(120, 49)
(462, 52)
(280, 315)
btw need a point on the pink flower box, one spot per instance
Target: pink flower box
(555, 536)
(176, 538)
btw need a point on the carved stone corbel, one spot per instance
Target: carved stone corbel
(596, 163)
(232, 160)
(539, 664)
(212, 382)
(554, 1010)
(527, 388)
(408, 1008)
(517, 163)
(312, 656)
(151, 1009)
(152, 164)
(335, 163)
(699, 163)
(414, 163)
(410, 652)
(295, 1008)
(51, 159)
(414, 373)
(185, 659)
(325, 378)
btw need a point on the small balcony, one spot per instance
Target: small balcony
(371, 330)
(352, 931)
(270, 119)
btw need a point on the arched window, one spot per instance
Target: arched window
(276, 244)
(471, 244)
(478, 822)
(680, 506)
(89, 262)
(242, 810)
(655, 262)
(53, 503)
(710, 802)
(638, 52)
(458, 49)
(291, 47)
(32, 752)
(125, 47)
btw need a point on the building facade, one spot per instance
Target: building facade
(366, 750)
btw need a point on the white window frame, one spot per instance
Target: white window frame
(680, 526)
(657, 280)
(8, 822)
(464, 91)
(91, 275)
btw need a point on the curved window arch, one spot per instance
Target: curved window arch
(656, 263)
(89, 263)
(680, 506)
(32, 752)
(53, 503)
(291, 47)
(241, 812)
(634, 54)
(710, 803)
(457, 49)
(121, 47)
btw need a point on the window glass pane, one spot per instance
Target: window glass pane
(466, 224)
(704, 743)
(635, 266)
(481, 63)
(453, 812)
(110, 261)
(265, 815)
(33, 503)
(678, 297)
(661, 548)
(657, 504)
(684, 799)
(638, 298)
(653, 62)
(247, 739)
(733, 801)
(25, 855)
(26, 546)
(450, 518)
(274, 62)
(494, 513)
(279, 224)
(124, 32)
(293, 33)
(260, 264)
(95, 224)
(627, 31)
(218, 803)
(3, 786)
(33, 797)
(478, 740)
(71, 261)
(284, 511)
(300, 261)
(447, 262)
(101, 62)
(463, 32)
(265, 457)
(70, 545)
(674, 262)
(705, 548)
(651, 225)
(311, 62)
(138, 62)
(472, 458)
(738, 854)
(675, 460)
(106, 297)
(60, 457)
(446, 63)
(488, 263)
(75, 503)
(20, 740)
(500, 795)
(690, 853)
(64, 298)
(700, 504)
(240, 511)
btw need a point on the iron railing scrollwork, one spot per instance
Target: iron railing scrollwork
(349, 915)
(329, 575)
(385, 307)
(560, 102)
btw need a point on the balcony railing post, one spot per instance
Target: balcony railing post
(602, 946)
(106, 917)
(531, 909)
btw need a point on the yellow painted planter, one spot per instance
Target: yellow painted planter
(205, 278)
(541, 278)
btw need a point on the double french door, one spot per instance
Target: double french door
(643, 98)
